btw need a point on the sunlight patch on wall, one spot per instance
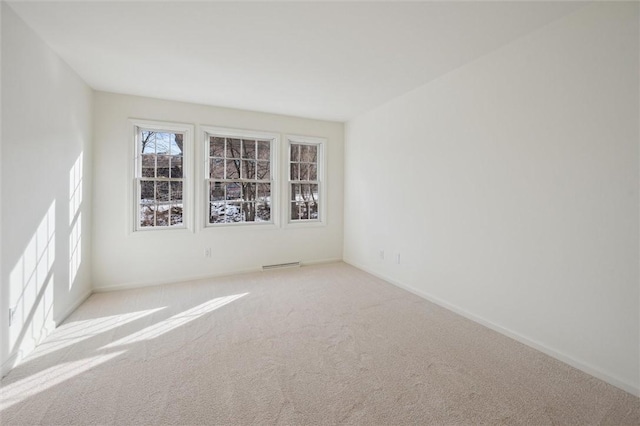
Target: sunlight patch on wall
(75, 188)
(75, 218)
(75, 250)
(46, 379)
(31, 288)
(175, 321)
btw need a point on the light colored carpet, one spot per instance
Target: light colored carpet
(324, 344)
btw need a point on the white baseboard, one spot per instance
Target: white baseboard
(580, 365)
(141, 284)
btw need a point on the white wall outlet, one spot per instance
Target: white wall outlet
(398, 258)
(381, 254)
(207, 252)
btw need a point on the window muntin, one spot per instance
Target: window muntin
(239, 179)
(160, 178)
(304, 181)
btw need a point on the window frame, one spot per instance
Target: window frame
(321, 144)
(137, 127)
(225, 132)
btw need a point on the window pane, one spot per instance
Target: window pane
(295, 192)
(217, 191)
(264, 170)
(216, 169)
(249, 149)
(176, 144)
(176, 166)
(216, 147)
(249, 191)
(295, 171)
(248, 169)
(234, 191)
(264, 150)
(147, 192)
(233, 213)
(304, 171)
(295, 152)
(176, 215)
(163, 143)
(248, 213)
(217, 212)
(313, 210)
(313, 172)
(162, 192)
(176, 192)
(233, 169)
(233, 148)
(162, 215)
(148, 142)
(162, 166)
(313, 192)
(299, 211)
(264, 192)
(147, 216)
(148, 165)
(263, 212)
(312, 153)
(304, 153)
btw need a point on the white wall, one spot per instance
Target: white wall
(510, 188)
(124, 259)
(46, 116)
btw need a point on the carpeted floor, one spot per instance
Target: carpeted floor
(324, 344)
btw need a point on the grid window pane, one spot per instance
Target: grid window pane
(176, 171)
(249, 149)
(216, 147)
(233, 148)
(233, 191)
(240, 173)
(233, 169)
(176, 215)
(160, 174)
(162, 192)
(216, 168)
(163, 165)
(303, 167)
(248, 169)
(264, 170)
(176, 191)
(295, 152)
(304, 171)
(217, 191)
(264, 150)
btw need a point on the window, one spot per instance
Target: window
(161, 177)
(240, 171)
(306, 200)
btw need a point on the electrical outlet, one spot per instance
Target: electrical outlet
(381, 254)
(398, 258)
(207, 252)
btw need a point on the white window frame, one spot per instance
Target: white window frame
(207, 132)
(137, 127)
(321, 143)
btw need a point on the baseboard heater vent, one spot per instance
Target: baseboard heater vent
(281, 265)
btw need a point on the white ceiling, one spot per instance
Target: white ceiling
(326, 60)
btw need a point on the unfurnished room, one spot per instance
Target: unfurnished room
(329, 212)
